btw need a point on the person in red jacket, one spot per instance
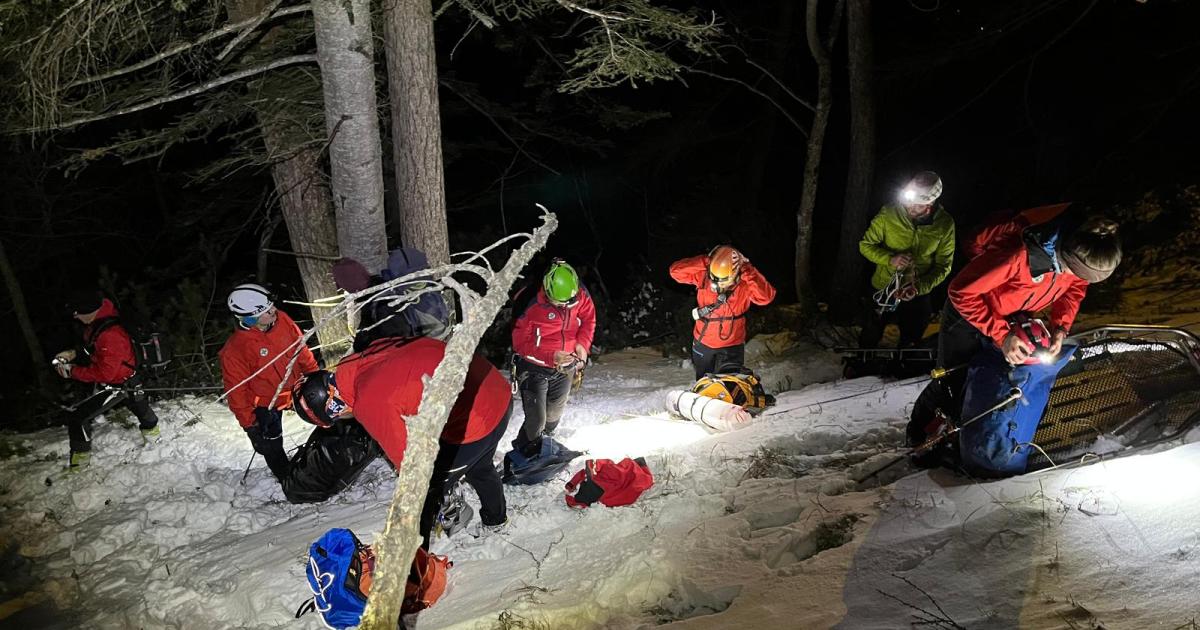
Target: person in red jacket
(382, 385)
(726, 285)
(254, 361)
(107, 361)
(551, 339)
(1048, 268)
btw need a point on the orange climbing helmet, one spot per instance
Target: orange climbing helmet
(724, 264)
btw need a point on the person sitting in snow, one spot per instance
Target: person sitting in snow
(406, 310)
(107, 360)
(1023, 268)
(254, 361)
(551, 338)
(912, 245)
(382, 385)
(726, 285)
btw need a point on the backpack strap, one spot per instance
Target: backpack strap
(308, 606)
(101, 325)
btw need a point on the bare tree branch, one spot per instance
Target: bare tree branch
(254, 23)
(795, 123)
(170, 98)
(476, 107)
(203, 39)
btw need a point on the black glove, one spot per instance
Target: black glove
(268, 424)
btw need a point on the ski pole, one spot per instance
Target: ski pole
(1013, 395)
(247, 473)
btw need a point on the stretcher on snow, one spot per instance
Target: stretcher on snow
(897, 362)
(1125, 387)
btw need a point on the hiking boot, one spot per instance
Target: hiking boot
(79, 461)
(483, 529)
(151, 435)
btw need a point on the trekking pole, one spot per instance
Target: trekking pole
(1014, 394)
(247, 473)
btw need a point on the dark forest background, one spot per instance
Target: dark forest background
(1015, 104)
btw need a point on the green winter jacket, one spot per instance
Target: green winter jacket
(931, 246)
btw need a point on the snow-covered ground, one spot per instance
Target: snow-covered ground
(761, 528)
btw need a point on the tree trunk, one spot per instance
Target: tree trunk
(416, 126)
(345, 53)
(847, 278)
(398, 543)
(303, 196)
(22, 313)
(816, 141)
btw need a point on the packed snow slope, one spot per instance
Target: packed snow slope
(761, 528)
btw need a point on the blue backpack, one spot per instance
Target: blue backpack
(339, 573)
(429, 316)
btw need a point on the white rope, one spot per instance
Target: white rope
(887, 298)
(1044, 454)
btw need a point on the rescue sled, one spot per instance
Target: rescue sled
(1126, 387)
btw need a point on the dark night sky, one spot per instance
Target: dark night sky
(1014, 103)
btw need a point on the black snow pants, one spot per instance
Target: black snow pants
(544, 394)
(958, 342)
(79, 423)
(912, 316)
(473, 463)
(707, 360)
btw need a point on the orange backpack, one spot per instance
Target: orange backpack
(426, 582)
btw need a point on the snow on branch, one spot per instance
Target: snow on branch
(398, 543)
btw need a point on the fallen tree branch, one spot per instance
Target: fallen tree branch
(395, 547)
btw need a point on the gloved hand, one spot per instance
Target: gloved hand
(268, 424)
(63, 368)
(564, 361)
(66, 356)
(580, 353)
(1014, 350)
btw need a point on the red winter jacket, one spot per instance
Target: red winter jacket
(543, 328)
(111, 351)
(725, 326)
(250, 349)
(612, 483)
(383, 385)
(1001, 281)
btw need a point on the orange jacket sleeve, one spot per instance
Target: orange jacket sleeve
(981, 275)
(1066, 307)
(690, 270)
(761, 291)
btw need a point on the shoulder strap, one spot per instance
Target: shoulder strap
(99, 326)
(309, 605)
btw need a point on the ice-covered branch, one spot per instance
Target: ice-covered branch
(398, 543)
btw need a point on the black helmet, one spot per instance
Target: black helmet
(317, 400)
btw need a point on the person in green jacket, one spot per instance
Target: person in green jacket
(912, 246)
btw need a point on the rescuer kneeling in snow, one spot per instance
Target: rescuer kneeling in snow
(912, 246)
(254, 361)
(1023, 268)
(726, 285)
(382, 385)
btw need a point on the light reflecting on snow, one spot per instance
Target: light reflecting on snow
(635, 437)
(1163, 478)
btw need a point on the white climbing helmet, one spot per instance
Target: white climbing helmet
(924, 188)
(249, 300)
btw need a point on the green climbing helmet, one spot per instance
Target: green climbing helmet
(561, 282)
